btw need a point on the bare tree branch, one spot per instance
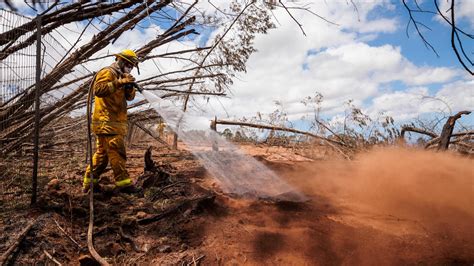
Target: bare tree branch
(416, 23)
(291, 15)
(453, 44)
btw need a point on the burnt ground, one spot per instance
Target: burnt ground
(185, 219)
(128, 228)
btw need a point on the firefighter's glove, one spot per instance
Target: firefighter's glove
(125, 79)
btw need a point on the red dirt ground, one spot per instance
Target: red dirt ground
(389, 206)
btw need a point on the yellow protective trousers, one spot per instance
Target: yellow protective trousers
(109, 148)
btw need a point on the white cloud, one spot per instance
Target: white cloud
(380, 64)
(403, 105)
(458, 95)
(463, 10)
(380, 25)
(414, 75)
(354, 15)
(411, 103)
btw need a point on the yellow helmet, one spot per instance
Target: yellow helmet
(128, 55)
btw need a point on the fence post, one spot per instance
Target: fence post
(215, 146)
(37, 112)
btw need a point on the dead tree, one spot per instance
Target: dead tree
(336, 145)
(234, 59)
(448, 130)
(444, 139)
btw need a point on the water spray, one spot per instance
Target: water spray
(236, 172)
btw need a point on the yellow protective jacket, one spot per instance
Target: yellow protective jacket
(110, 108)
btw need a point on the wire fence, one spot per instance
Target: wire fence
(17, 70)
(17, 75)
(17, 78)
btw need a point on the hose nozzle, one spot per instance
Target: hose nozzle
(135, 85)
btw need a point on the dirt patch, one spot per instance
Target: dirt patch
(267, 244)
(389, 206)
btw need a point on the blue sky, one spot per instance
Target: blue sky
(412, 46)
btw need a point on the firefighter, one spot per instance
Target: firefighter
(112, 90)
(161, 130)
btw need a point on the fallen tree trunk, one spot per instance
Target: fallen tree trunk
(236, 123)
(417, 130)
(13, 247)
(459, 134)
(184, 204)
